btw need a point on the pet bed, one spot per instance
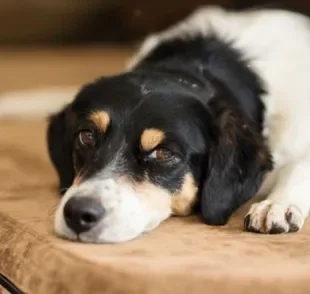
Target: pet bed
(181, 256)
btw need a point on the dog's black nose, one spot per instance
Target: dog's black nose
(83, 213)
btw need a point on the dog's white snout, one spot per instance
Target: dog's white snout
(109, 194)
(125, 215)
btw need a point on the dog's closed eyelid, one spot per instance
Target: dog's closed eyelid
(160, 153)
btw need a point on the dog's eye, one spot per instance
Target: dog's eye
(161, 154)
(86, 138)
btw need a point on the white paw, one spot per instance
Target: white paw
(269, 217)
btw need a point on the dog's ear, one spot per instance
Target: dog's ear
(59, 143)
(236, 165)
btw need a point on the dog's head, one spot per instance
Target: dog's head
(133, 149)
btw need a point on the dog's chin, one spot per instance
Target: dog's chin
(105, 238)
(106, 234)
(112, 230)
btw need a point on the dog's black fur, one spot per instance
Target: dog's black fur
(203, 95)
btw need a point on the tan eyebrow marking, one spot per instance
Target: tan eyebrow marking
(151, 138)
(101, 120)
(183, 201)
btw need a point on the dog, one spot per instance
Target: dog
(209, 113)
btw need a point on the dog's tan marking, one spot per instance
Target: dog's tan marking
(155, 198)
(151, 138)
(101, 119)
(183, 201)
(77, 179)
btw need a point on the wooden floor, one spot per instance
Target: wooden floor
(32, 68)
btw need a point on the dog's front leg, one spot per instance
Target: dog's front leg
(288, 204)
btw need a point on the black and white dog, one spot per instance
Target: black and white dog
(210, 113)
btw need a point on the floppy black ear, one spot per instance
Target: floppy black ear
(237, 164)
(59, 143)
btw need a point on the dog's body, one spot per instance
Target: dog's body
(210, 113)
(275, 45)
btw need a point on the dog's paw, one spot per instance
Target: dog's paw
(269, 217)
